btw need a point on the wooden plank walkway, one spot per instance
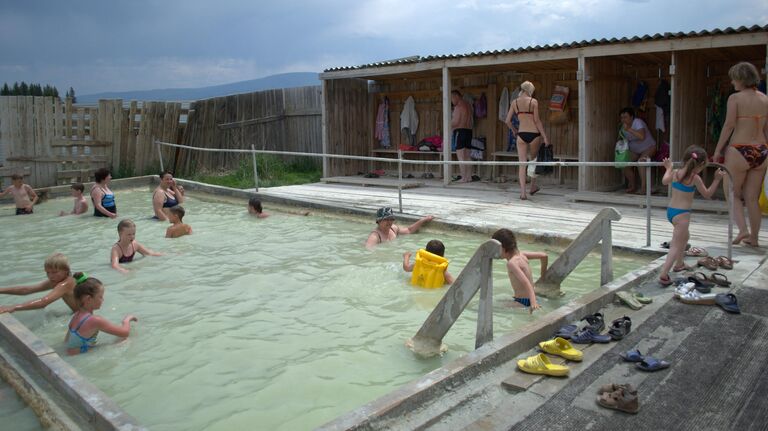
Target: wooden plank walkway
(381, 182)
(487, 207)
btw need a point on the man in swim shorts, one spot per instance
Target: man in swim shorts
(461, 123)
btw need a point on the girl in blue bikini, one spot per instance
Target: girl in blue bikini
(685, 181)
(84, 326)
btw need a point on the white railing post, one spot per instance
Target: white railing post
(160, 154)
(647, 206)
(400, 179)
(255, 168)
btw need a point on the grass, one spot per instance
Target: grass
(273, 172)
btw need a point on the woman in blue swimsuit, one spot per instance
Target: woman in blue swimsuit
(102, 196)
(166, 195)
(85, 326)
(684, 181)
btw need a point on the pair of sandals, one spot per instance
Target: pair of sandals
(634, 301)
(622, 397)
(591, 333)
(713, 263)
(705, 282)
(644, 363)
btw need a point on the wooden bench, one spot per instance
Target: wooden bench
(557, 158)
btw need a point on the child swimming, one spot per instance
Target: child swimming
(177, 228)
(685, 181)
(85, 326)
(518, 268)
(435, 247)
(81, 205)
(23, 195)
(59, 281)
(255, 209)
(126, 247)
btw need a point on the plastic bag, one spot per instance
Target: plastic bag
(532, 168)
(622, 155)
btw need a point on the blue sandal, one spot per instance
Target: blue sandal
(632, 356)
(566, 332)
(652, 364)
(588, 335)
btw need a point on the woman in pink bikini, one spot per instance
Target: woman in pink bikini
(746, 133)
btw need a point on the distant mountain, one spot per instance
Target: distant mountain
(284, 80)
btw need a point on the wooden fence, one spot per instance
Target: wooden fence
(286, 119)
(61, 142)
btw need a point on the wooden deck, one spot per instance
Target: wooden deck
(380, 182)
(490, 206)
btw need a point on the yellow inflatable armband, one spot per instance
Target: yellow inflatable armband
(429, 270)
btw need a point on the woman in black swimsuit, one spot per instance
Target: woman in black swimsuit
(530, 135)
(166, 195)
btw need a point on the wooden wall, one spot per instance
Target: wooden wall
(284, 120)
(57, 139)
(349, 124)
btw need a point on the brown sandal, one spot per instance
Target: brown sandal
(613, 387)
(619, 400)
(708, 262)
(724, 262)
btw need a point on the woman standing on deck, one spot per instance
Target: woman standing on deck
(746, 133)
(642, 147)
(530, 135)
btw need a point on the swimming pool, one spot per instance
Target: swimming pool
(280, 323)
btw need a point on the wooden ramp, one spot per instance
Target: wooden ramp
(377, 182)
(716, 206)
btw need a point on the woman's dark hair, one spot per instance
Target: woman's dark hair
(164, 173)
(90, 287)
(628, 110)
(436, 247)
(507, 239)
(256, 204)
(101, 174)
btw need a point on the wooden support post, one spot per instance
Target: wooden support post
(606, 258)
(484, 332)
(672, 107)
(581, 76)
(324, 126)
(446, 124)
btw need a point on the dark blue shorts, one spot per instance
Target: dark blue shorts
(525, 301)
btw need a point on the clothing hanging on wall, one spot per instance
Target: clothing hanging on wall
(382, 124)
(503, 104)
(409, 119)
(660, 119)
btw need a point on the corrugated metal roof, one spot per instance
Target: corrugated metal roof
(583, 43)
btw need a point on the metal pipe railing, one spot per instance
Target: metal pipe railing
(400, 161)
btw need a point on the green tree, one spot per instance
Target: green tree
(71, 93)
(5, 91)
(23, 89)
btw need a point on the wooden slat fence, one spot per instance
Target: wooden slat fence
(285, 119)
(62, 142)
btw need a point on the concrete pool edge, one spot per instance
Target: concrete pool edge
(418, 392)
(97, 409)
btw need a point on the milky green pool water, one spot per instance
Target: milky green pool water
(281, 323)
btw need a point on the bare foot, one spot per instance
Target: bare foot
(534, 190)
(751, 242)
(640, 192)
(629, 190)
(739, 238)
(523, 197)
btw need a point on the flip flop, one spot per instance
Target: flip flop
(619, 400)
(652, 364)
(632, 356)
(665, 281)
(682, 268)
(719, 279)
(540, 364)
(684, 289)
(701, 282)
(566, 331)
(534, 191)
(728, 302)
(561, 347)
(642, 299)
(613, 387)
(629, 300)
(696, 252)
(708, 262)
(724, 262)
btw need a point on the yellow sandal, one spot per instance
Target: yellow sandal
(539, 364)
(561, 347)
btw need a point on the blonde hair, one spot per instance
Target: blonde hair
(528, 88)
(57, 261)
(125, 224)
(746, 73)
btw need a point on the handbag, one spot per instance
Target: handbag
(545, 155)
(622, 155)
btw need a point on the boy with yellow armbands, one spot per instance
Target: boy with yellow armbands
(430, 268)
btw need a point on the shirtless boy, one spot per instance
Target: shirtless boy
(59, 281)
(23, 195)
(81, 205)
(177, 228)
(518, 268)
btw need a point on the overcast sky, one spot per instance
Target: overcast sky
(97, 46)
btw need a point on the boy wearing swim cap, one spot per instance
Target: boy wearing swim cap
(387, 230)
(59, 281)
(518, 268)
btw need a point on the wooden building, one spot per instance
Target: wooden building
(602, 76)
